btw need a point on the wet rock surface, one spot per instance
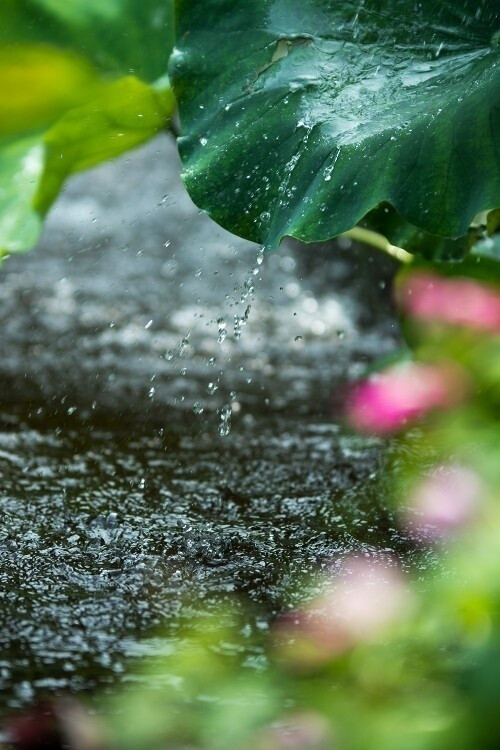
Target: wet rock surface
(108, 538)
(132, 341)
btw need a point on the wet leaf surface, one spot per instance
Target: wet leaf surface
(299, 120)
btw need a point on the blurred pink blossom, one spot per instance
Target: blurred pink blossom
(367, 597)
(456, 301)
(61, 723)
(302, 731)
(359, 604)
(308, 637)
(389, 400)
(443, 502)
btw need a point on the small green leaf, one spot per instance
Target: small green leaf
(300, 118)
(60, 60)
(33, 169)
(21, 165)
(128, 113)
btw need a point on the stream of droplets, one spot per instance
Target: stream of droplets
(241, 300)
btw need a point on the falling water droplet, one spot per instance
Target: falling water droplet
(222, 325)
(240, 321)
(225, 420)
(212, 387)
(178, 349)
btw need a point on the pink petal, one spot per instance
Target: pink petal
(389, 400)
(443, 502)
(455, 301)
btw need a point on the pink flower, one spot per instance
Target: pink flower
(58, 723)
(368, 596)
(456, 301)
(302, 731)
(387, 401)
(307, 638)
(443, 502)
(359, 604)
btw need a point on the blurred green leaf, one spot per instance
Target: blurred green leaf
(298, 119)
(40, 82)
(128, 113)
(58, 64)
(118, 37)
(21, 165)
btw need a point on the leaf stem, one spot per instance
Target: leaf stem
(378, 241)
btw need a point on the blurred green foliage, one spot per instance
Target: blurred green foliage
(63, 105)
(117, 37)
(82, 82)
(428, 679)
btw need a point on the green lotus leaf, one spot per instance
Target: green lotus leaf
(300, 118)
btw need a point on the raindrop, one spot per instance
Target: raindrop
(178, 350)
(240, 321)
(222, 326)
(225, 420)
